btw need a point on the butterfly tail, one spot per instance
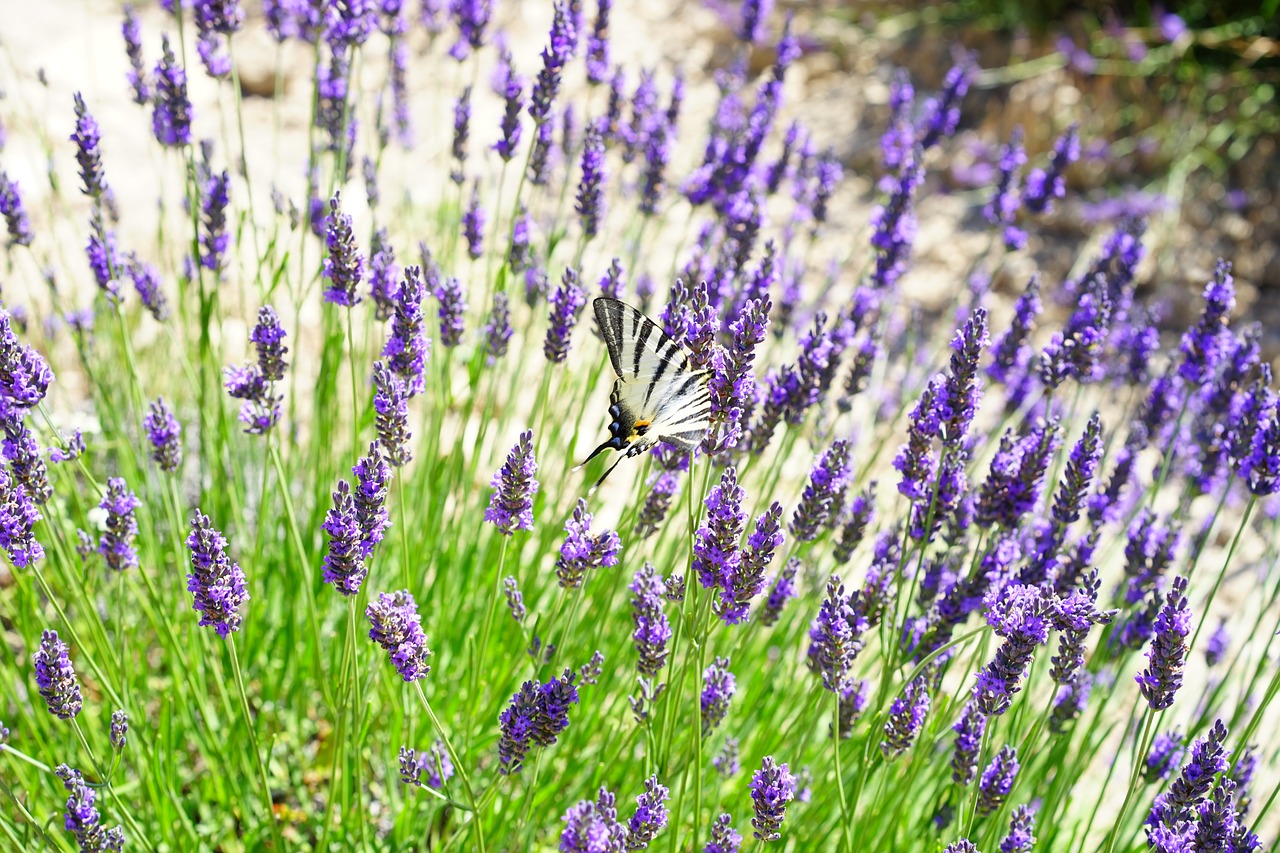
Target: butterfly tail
(607, 472)
(601, 449)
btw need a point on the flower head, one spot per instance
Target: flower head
(344, 563)
(55, 677)
(171, 108)
(583, 551)
(511, 504)
(88, 138)
(593, 827)
(344, 265)
(828, 477)
(997, 780)
(906, 718)
(715, 545)
(538, 713)
(165, 434)
(82, 818)
(772, 787)
(651, 814)
(117, 542)
(15, 216)
(18, 517)
(652, 629)
(397, 627)
(724, 838)
(1168, 652)
(718, 688)
(453, 306)
(215, 582)
(590, 199)
(407, 346)
(391, 408)
(566, 303)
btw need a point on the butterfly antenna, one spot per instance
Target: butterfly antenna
(609, 471)
(603, 447)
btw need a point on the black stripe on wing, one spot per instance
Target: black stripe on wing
(637, 346)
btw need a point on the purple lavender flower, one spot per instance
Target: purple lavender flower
(82, 818)
(165, 434)
(1261, 467)
(407, 346)
(1168, 652)
(1173, 810)
(515, 599)
(344, 564)
(513, 98)
(396, 626)
(1044, 186)
(118, 734)
(137, 76)
(555, 55)
(1022, 827)
(21, 451)
(391, 408)
(598, 45)
(755, 16)
(24, 374)
(783, 589)
(349, 24)
(772, 787)
(1018, 613)
(1204, 344)
(453, 307)
(473, 19)
(73, 449)
(1074, 616)
(835, 639)
(146, 280)
(511, 504)
(104, 258)
(473, 221)
(1002, 209)
(566, 303)
(344, 266)
(963, 845)
(942, 113)
(88, 138)
(1012, 488)
(1165, 756)
(582, 551)
(657, 152)
(969, 730)
(724, 838)
(718, 688)
(1009, 355)
(400, 93)
(117, 542)
(854, 527)
(434, 762)
(997, 780)
(18, 517)
(538, 713)
(382, 275)
(651, 811)
(828, 477)
(590, 200)
(747, 577)
(894, 224)
(215, 582)
(497, 330)
(461, 127)
(593, 827)
(715, 545)
(652, 630)
(915, 459)
(56, 678)
(268, 339)
(906, 718)
(15, 216)
(373, 475)
(171, 108)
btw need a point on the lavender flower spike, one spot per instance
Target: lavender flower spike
(650, 817)
(473, 220)
(15, 216)
(1020, 614)
(18, 517)
(55, 677)
(538, 713)
(554, 57)
(582, 551)
(344, 266)
(373, 475)
(718, 688)
(216, 583)
(772, 787)
(407, 346)
(397, 627)
(828, 478)
(747, 579)
(88, 138)
(566, 304)
(652, 629)
(165, 434)
(453, 305)
(391, 408)
(1168, 653)
(1044, 186)
(997, 780)
(171, 107)
(24, 374)
(137, 76)
(117, 543)
(590, 199)
(511, 504)
(906, 718)
(344, 565)
(715, 545)
(82, 818)
(593, 827)
(724, 838)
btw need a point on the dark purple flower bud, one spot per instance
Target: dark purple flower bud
(1165, 756)
(961, 393)
(715, 543)
(118, 735)
(434, 762)
(1215, 648)
(915, 459)
(783, 589)
(18, 517)
(997, 780)
(344, 564)
(651, 814)
(1168, 653)
(473, 221)
(171, 108)
(472, 17)
(718, 688)
(538, 713)
(830, 474)
(116, 544)
(137, 76)
(461, 127)
(15, 216)
(382, 275)
(1010, 353)
(453, 306)
(511, 504)
(906, 718)
(349, 23)
(55, 677)
(24, 374)
(1002, 209)
(88, 138)
(82, 818)
(942, 113)
(21, 451)
(520, 253)
(397, 627)
(1012, 488)
(894, 224)
(104, 259)
(209, 46)
(373, 477)
(1075, 615)
(268, 338)
(747, 578)
(1020, 614)
(513, 95)
(73, 450)
(593, 827)
(964, 845)
(566, 303)
(1260, 469)
(282, 19)
(969, 730)
(835, 640)
(554, 57)
(407, 346)
(583, 551)
(772, 787)
(391, 408)
(344, 266)
(540, 155)
(1082, 466)
(146, 280)
(215, 582)
(724, 838)
(1070, 702)
(1179, 804)
(590, 200)
(165, 434)
(826, 177)
(598, 45)
(861, 511)
(1044, 186)
(652, 630)
(755, 16)
(497, 329)
(515, 599)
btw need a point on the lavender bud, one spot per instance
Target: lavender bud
(117, 542)
(772, 787)
(55, 677)
(165, 435)
(215, 582)
(511, 504)
(397, 627)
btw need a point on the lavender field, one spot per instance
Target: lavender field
(299, 357)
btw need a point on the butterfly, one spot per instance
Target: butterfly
(657, 395)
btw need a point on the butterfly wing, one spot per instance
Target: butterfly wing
(657, 396)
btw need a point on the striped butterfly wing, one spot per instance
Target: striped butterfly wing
(657, 396)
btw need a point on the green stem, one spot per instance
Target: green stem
(253, 745)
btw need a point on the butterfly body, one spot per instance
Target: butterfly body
(657, 395)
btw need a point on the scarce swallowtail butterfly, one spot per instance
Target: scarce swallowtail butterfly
(657, 396)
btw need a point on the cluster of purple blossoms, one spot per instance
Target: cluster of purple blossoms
(214, 239)
(254, 383)
(170, 105)
(20, 450)
(732, 381)
(941, 114)
(747, 579)
(861, 510)
(1012, 488)
(1043, 186)
(513, 99)
(116, 544)
(894, 223)
(1197, 811)
(373, 477)
(1073, 617)
(772, 788)
(391, 414)
(137, 75)
(597, 58)
(1010, 354)
(88, 138)
(969, 730)
(555, 55)
(1168, 653)
(1002, 209)
(453, 307)
(344, 264)
(434, 763)
(461, 132)
(652, 628)
(782, 591)
(997, 780)
(538, 713)
(716, 556)
(827, 481)
(15, 216)
(592, 826)
(397, 627)
(724, 838)
(24, 374)
(472, 17)
(835, 639)
(565, 304)
(407, 345)
(344, 562)
(1204, 345)
(82, 818)
(497, 329)
(590, 204)
(582, 551)
(1165, 755)
(382, 275)
(473, 221)
(216, 583)
(146, 280)
(718, 688)
(118, 734)
(1021, 615)
(18, 517)
(906, 718)
(511, 504)
(56, 678)
(651, 814)
(165, 435)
